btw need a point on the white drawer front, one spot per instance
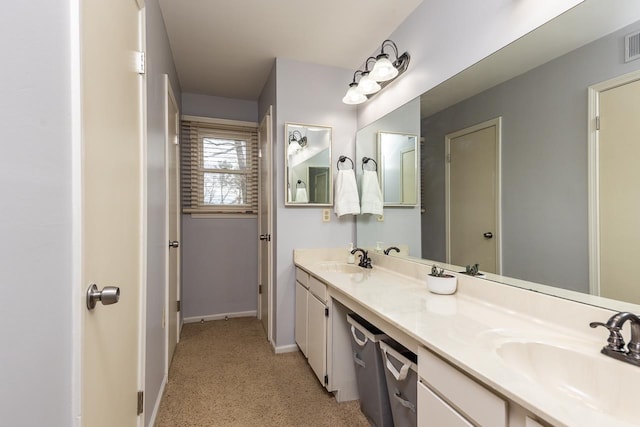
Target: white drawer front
(302, 277)
(318, 288)
(478, 404)
(434, 412)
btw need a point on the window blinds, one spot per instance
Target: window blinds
(219, 168)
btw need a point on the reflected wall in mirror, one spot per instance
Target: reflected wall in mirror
(400, 224)
(539, 86)
(397, 168)
(308, 179)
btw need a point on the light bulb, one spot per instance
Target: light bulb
(383, 70)
(367, 85)
(353, 96)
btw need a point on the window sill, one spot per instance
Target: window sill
(222, 215)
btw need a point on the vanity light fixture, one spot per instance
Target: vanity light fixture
(296, 142)
(384, 71)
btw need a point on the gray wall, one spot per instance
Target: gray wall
(36, 216)
(219, 107)
(401, 224)
(159, 62)
(219, 255)
(544, 155)
(302, 227)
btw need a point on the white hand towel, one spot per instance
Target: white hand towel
(371, 194)
(346, 198)
(301, 195)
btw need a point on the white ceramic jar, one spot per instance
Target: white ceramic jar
(443, 285)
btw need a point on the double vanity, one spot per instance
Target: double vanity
(489, 355)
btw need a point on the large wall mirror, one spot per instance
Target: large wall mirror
(308, 178)
(536, 91)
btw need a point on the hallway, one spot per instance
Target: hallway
(224, 373)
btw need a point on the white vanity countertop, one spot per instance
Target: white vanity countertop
(467, 331)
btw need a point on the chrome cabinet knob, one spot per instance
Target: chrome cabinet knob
(107, 296)
(488, 235)
(174, 244)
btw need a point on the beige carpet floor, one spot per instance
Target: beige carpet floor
(224, 373)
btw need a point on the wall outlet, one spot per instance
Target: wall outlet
(326, 215)
(380, 218)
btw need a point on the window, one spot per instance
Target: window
(219, 168)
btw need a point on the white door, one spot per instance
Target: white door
(472, 196)
(408, 170)
(173, 215)
(301, 317)
(112, 232)
(619, 190)
(265, 221)
(317, 336)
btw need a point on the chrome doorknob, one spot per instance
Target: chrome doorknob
(488, 235)
(108, 295)
(266, 237)
(174, 244)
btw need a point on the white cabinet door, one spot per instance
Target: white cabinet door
(301, 317)
(435, 412)
(317, 337)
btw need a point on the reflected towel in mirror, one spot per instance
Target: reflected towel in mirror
(371, 193)
(346, 195)
(301, 195)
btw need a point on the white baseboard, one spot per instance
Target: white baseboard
(156, 407)
(196, 319)
(286, 349)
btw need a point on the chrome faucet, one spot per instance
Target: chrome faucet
(615, 347)
(391, 248)
(365, 261)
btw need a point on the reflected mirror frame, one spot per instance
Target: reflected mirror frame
(293, 126)
(381, 166)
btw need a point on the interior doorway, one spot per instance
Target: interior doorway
(265, 225)
(614, 196)
(472, 191)
(172, 125)
(110, 182)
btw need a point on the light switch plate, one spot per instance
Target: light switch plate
(326, 215)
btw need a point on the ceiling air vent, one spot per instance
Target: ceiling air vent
(632, 46)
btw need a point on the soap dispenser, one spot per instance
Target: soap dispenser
(351, 258)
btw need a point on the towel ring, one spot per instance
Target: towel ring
(365, 160)
(301, 182)
(341, 159)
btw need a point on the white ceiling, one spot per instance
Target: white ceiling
(227, 48)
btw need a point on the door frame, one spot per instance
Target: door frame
(497, 122)
(594, 172)
(269, 186)
(169, 96)
(77, 139)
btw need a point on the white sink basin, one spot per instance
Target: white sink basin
(340, 267)
(595, 380)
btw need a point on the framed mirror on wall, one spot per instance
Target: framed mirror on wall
(539, 89)
(308, 178)
(398, 168)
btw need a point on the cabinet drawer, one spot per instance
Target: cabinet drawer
(476, 402)
(318, 288)
(435, 412)
(302, 277)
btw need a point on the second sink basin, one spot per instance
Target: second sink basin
(598, 382)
